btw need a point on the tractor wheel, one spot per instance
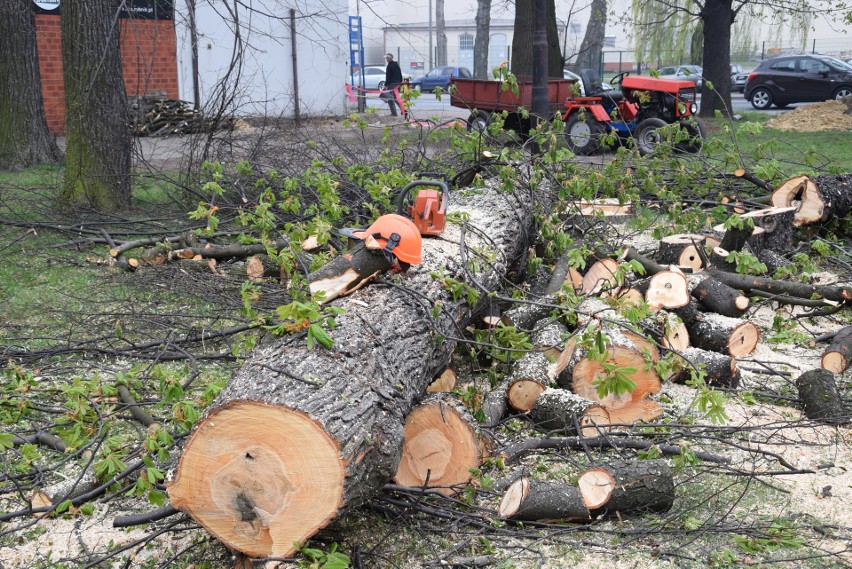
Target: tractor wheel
(647, 135)
(695, 129)
(478, 121)
(761, 98)
(582, 133)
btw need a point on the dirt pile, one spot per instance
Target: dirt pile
(830, 115)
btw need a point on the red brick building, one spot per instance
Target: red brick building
(148, 54)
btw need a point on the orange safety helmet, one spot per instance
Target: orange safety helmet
(398, 235)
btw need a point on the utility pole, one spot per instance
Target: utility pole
(430, 36)
(540, 104)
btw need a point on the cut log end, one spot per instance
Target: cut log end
(445, 382)
(596, 486)
(439, 450)
(259, 477)
(522, 394)
(744, 339)
(513, 498)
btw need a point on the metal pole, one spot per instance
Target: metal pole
(193, 40)
(430, 35)
(540, 105)
(296, 110)
(362, 102)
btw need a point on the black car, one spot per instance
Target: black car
(798, 79)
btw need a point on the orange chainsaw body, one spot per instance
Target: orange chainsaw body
(429, 212)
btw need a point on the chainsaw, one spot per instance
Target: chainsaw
(428, 208)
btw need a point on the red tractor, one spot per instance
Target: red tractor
(642, 107)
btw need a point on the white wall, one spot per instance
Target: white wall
(261, 81)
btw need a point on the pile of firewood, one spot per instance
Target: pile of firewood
(159, 117)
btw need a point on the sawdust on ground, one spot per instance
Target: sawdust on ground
(830, 115)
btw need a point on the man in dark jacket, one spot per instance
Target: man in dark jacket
(393, 79)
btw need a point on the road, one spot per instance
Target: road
(427, 105)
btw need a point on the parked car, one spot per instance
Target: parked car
(798, 79)
(602, 85)
(738, 81)
(374, 77)
(682, 73)
(439, 77)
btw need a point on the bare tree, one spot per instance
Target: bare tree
(441, 32)
(592, 46)
(522, 42)
(24, 138)
(97, 171)
(480, 44)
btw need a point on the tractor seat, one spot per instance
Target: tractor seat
(594, 86)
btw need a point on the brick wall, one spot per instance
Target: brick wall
(148, 54)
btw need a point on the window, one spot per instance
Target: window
(463, 72)
(813, 66)
(466, 42)
(786, 65)
(609, 41)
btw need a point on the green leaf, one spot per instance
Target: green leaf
(6, 440)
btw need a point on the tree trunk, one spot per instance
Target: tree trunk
(24, 138)
(543, 500)
(717, 17)
(97, 169)
(440, 33)
(724, 334)
(298, 434)
(592, 46)
(522, 40)
(480, 44)
(640, 485)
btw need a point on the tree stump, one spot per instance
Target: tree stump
(681, 250)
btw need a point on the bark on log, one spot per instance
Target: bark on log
(558, 409)
(667, 329)
(543, 500)
(838, 293)
(529, 378)
(838, 354)
(820, 199)
(681, 250)
(442, 443)
(777, 224)
(820, 397)
(721, 369)
(640, 486)
(495, 404)
(725, 335)
(299, 434)
(836, 193)
(718, 297)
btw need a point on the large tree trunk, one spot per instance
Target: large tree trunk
(24, 138)
(522, 40)
(98, 135)
(480, 44)
(441, 32)
(592, 46)
(299, 434)
(717, 17)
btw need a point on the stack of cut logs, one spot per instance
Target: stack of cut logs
(301, 434)
(159, 117)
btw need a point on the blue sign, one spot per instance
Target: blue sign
(356, 49)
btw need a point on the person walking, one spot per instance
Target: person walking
(393, 79)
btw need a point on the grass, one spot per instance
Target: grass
(829, 150)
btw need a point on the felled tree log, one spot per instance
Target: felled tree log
(667, 329)
(721, 369)
(601, 277)
(300, 434)
(723, 334)
(348, 272)
(495, 404)
(639, 486)
(834, 293)
(777, 224)
(718, 297)
(543, 500)
(444, 383)
(528, 379)
(559, 409)
(820, 397)
(838, 354)
(442, 443)
(681, 250)
(820, 199)
(666, 289)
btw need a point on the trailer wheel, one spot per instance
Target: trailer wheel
(478, 121)
(648, 136)
(582, 133)
(695, 129)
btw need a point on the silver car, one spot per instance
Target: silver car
(374, 77)
(682, 73)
